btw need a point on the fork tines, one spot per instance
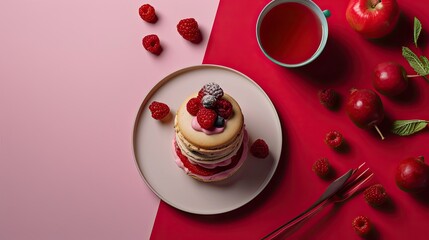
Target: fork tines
(356, 181)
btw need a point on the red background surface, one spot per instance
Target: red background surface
(346, 62)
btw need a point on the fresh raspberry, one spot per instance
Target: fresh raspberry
(188, 29)
(328, 98)
(193, 106)
(375, 195)
(362, 226)
(224, 108)
(206, 118)
(152, 44)
(213, 89)
(259, 149)
(147, 13)
(321, 167)
(334, 139)
(201, 94)
(159, 110)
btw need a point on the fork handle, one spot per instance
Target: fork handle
(296, 222)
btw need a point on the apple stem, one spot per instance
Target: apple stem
(374, 3)
(413, 76)
(379, 132)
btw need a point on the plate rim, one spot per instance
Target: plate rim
(143, 105)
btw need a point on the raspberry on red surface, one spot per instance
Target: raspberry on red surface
(224, 108)
(152, 44)
(159, 110)
(260, 149)
(188, 29)
(334, 139)
(362, 226)
(328, 98)
(375, 195)
(193, 106)
(147, 13)
(206, 118)
(321, 167)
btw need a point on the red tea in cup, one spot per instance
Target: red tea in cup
(291, 33)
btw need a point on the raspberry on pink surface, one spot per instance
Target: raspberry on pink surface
(189, 30)
(152, 44)
(147, 13)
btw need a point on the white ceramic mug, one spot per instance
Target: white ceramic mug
(321, 15)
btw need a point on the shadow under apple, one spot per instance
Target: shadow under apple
(411, 95)
(402, 34)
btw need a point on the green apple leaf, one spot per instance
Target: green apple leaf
(408, 127)
(425, 62)
(414, 61)
(417, 30)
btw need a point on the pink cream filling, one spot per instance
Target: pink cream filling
(220, 175)
(211, 166)
(197, 127)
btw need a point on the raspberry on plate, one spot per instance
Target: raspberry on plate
(362, 226)
(334, 139)
(259, 149)
(159, 110)
(375, 195)
(321, 167)
(206, 118)
(188, 29)
(328, 98)
(193, 106)
(147, 13)
(151, 43)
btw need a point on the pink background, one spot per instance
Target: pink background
(72, 77)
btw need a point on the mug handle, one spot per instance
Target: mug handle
(327, 13)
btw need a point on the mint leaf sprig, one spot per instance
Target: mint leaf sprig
(419, 64)
(408, 127)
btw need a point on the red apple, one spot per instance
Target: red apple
(389, 78)
(365, 109)
(372, 18)
(412, 174)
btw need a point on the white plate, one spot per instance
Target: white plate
(153, 142)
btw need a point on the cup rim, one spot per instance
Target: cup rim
(313, 7)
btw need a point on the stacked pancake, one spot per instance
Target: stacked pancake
(210, 153)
